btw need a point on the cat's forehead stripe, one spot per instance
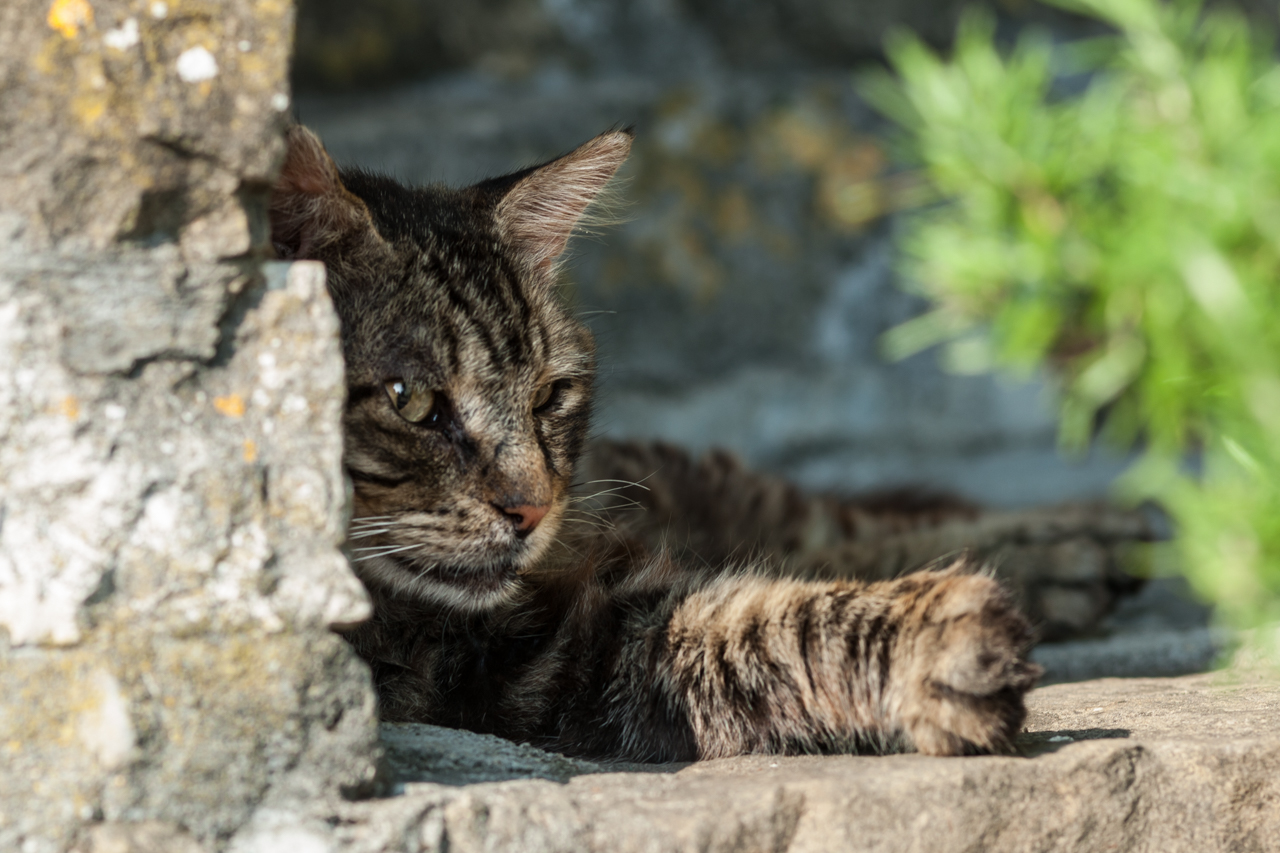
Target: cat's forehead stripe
(473, 328)
(449, 337)
(512, 328)
(515, 316)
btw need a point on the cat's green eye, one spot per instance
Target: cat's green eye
(412, 402)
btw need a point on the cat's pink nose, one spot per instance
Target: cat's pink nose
(526, 517)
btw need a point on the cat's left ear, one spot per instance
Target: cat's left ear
(310, 208)
(539, 208)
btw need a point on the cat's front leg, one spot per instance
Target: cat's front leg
(935, 659)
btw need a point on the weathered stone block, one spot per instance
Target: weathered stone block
(1189, 764)
(171, 490)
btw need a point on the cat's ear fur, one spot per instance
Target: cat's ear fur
(538, 209)
(310, 208)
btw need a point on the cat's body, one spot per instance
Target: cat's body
(505, 602)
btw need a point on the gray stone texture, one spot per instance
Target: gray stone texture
(171, 492)
(1185, 764)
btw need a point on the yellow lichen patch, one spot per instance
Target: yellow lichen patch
(70, 408)
(252, 65)
(250, 450)
(231, 405)
(89, 107)
(68, 16)
(49, 59)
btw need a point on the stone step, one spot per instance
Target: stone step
(1169, 764)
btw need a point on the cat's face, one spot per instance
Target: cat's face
(469, 384)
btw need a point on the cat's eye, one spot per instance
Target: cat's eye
(413, 402)
(543, 396)
(548, 394)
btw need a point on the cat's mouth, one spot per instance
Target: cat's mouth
(413, 555)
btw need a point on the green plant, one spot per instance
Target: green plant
(1111, 209)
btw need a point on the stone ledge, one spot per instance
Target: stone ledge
(1188, 763)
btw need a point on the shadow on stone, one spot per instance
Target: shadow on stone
(415, 752)
(1031, 744)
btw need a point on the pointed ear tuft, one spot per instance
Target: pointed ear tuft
(543, 205)
(310, 208)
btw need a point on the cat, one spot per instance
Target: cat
(504, 601)
(1063, 564)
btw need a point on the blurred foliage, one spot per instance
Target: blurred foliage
(1111, 209)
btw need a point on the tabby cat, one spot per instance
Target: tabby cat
(505, 602)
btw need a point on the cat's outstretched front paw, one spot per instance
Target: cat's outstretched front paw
(968, 671)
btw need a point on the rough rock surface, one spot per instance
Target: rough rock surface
(171, 493)
(1185, 764)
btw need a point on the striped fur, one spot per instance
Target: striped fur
(1062, 563)
(501, 604)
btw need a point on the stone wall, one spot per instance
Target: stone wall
(171, 493)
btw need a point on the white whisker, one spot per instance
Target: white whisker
(623, 482)
(419, 576)
(581, 510)
(384, 551)
(601, 525)
(365, 534)
(379, 547)
(599, 493)
(627, 503)
(589, 518)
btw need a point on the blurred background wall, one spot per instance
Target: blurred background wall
(741, 301)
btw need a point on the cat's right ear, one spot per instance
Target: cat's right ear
(537, 210)
(310, 208)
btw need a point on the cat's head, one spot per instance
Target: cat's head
(468, 381)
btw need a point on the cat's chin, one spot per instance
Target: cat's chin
(467, 588)
(474, 588)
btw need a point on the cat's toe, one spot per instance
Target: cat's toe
(972, 670)
(979, 645)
